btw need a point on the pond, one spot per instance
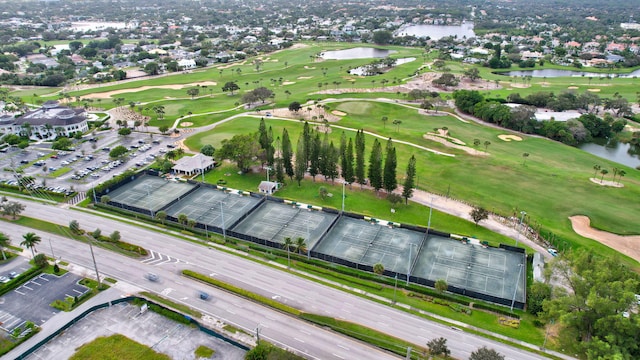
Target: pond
(356, 53)
(625, 154)
(436, 32)
(366, 70)
(551, 73)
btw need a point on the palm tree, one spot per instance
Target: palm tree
(300, 245)
(524, 156)
(384, 121)
(621, 173)
(596, 168)
(288, 243)
(30, 241)
(486, 145)
(603, 172)
(4, 242)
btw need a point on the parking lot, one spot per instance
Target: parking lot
(38, 293)
(84, 167)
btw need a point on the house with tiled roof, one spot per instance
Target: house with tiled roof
(47, 122)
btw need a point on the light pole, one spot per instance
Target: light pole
(51, 246)
(268, 168)
(95, 265)
(513, 300)
(409, 263)
(343, 185)
(429, 222)
(395, 287)
(522, 214)
(224, 231)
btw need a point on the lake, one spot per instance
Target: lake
(356, 53)
(364, 70)
(550, 73)
(437, 32)
(625, 154)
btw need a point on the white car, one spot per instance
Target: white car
(553, 252)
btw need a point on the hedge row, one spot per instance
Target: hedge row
(242, 292)
(495, 309)
(364, 283)
(21, 279)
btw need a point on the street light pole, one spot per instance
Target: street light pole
(429, 223)
(395, 287)
(343, 185)
(522, 214)
(224, 231)
(409, 264)
(51, 246)
(513, 300)
(95, 265)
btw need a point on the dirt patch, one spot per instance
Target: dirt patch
(338, 113)
(627, 245)
(606, 183)
(288, 82)
(504, 137)
(593, 90)
(453, 143)
(305, 114)
(186, 124)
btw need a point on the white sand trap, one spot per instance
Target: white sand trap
(186, 123)
(288, 83)
(309, 67)
(572, 87)
(201, 83)
(338, 113)
(544, 83)
(305, 77)
(593, 90)
(505, 137)
(454, 143)
(520, 86)
(624, 244)
(606, 183)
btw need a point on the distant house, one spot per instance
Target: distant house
(186, 64)
(47, 122)
(191, 165)
(267, 187)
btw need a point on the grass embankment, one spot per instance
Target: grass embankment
(550, 185)
(116, 347)
(120, 247)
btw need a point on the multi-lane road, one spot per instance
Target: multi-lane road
(175, 254)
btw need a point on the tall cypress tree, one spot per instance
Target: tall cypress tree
(269, 148)
(314, 163)
(287, 153)
(347, 170)
(324, 155)
(409, 181)
(306, 141)
(359, 171)
(301, 165)
(279, 170)
(332, 162)
(263, 137)
(375, 166)
(390, 181)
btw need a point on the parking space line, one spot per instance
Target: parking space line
(44, 278)
(16, 290)
(33, 282)
(26, 287)
(78, 291)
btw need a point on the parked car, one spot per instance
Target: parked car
(4, 279)
(13, 275)
(553, 252)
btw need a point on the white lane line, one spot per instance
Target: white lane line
(231, 311)
(295, 338)
(338, 356)
(344, 347)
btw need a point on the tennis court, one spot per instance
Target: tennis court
(490, 271)
(276, 221)
(364, 243)
(208, 206)
(149, 192)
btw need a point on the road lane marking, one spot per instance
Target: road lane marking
(295, 338)
(344, 347)
(338, 356)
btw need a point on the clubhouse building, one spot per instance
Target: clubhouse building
(47, 122)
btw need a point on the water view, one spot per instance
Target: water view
(97, 25)
(356, 53)
(436, 32)
(550, 73)
(625, 154)
(368, 70)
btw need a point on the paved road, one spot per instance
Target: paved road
(304, 338)
(300, 293)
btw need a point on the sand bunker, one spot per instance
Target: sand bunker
(504, 137)
(309, 67)
(520, 86)
(606, 183)
(627, 245)
(572, 87)
(454, 143)
(108, 94)
(304, 77)
(288, 82)
(186, 124)
(593, 90)
(339, 113)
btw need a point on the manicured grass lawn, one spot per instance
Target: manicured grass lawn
(116, 347)
(61, 171)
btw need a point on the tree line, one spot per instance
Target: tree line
(316, 154)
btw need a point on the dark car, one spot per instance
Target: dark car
(203, 295)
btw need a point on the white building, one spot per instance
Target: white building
(47, 122)
(187, 64)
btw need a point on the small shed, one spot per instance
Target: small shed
(190, 165)
(268, 187)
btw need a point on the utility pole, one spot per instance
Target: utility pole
(95, 265)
